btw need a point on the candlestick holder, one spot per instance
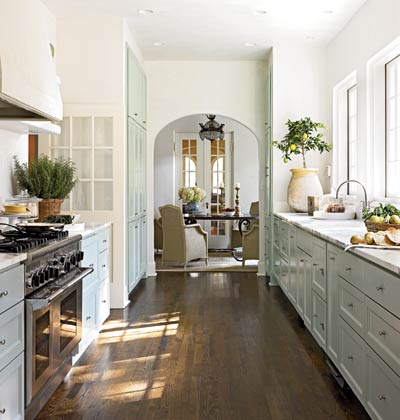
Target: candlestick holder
(237, 202)
(222, 198)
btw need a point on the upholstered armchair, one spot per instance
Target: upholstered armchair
(158, 234)
(250, 244)
(181, 243)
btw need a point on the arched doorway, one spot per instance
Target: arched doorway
(182, 159)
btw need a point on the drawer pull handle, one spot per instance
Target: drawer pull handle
(382, 332)
(350, 357)
(315, 316)
(104, 301)
(322, 272)
(104, 241)
(379, 288)
(382, 397)
(348, 268)
(292, 237)
(104, 266)
(301, 261)
(91, 265)
(3, 411)
(3, 342)
(315, 264)
(88, 317)
(332, 258)
(5, 293)
(322, 326)
(350, 305)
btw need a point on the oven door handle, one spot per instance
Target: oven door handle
(37, 304)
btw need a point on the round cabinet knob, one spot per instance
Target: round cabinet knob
(3, 342)
(382, 332)
(3, 411)
(382, 397)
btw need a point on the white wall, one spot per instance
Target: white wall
(374, 26)
(235, 89)
(245, 162)
(11, 144)
(300, 90)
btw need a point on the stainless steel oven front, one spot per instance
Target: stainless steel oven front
(53, 328)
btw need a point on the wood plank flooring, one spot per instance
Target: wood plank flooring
(203, 346)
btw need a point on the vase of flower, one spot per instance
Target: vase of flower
(191, 198)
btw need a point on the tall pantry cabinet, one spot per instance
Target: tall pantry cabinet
(136, 171)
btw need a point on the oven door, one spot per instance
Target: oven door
(67, 322)
(39, 347)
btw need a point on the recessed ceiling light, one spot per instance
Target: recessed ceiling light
(145, 11)
(250, 44)
(260, 12)
(158, 44)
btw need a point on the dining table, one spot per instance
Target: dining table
(244, 220)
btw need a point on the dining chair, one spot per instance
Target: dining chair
(181, 243)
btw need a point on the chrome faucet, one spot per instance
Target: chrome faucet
(365, 202)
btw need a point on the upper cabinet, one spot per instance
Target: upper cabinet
(28, 81)
(136, 90)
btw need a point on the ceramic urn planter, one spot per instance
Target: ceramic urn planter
(304, 182)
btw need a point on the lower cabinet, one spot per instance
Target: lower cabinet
(96, 288)
(351, 307)
(136, 259)
(12, 400)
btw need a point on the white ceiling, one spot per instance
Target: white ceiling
(218, 29)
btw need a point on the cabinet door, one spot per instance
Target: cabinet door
(131, 256)
(308, 291)
(89, 248)
(131, 169)
(319, 319)
(292, 286)
(89, 309)
(103, 302)
(137, 252)
(284, 275)
(319, 267)
(133, 84)
(303, 287)
(12, 390)
(333, 300)
(144, 247)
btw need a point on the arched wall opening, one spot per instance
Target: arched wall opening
(247, 168)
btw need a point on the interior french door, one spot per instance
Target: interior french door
(207, 165)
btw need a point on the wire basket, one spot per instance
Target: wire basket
(379, 227)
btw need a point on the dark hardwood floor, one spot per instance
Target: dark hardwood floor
(203, 346)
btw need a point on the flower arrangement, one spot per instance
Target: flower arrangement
(302, 137)
(191, 194)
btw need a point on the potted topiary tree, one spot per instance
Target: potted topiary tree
(49, 179)
(303, 136)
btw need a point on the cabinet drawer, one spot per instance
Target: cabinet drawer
(352, 359)
(103, 302)
(284, 239)
(352, 306)
(382, 333)
(276, 232)
(318, 327)
(90, 260)
(104, 265)
(104, 239)
(11, 334)
(12, 390)
(351, 269)
(382, 391)
(304, 241)
(384, 288)
(11, 287)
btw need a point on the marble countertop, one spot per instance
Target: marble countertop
(90, 228)
(339, 233)
(8, 260)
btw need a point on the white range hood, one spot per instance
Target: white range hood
(29, 88)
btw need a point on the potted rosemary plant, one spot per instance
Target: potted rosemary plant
(303, 136)
(49, 179)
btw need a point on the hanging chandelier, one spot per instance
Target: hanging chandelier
(211, 130)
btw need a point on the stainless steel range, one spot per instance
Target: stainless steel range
(53, 308)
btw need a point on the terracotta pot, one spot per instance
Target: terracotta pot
(49, 207)
(304, 182)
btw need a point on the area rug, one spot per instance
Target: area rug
(217, 262)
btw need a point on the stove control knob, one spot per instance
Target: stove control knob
(35, 280)
(80, 255)
(46, 272)
(67, 266)
(73, 259)
(56, 273)
(62, 259)
(42, 277)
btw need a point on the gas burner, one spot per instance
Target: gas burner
(16, 241)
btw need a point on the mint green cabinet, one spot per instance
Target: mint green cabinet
(136, 90)
(333, 303)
